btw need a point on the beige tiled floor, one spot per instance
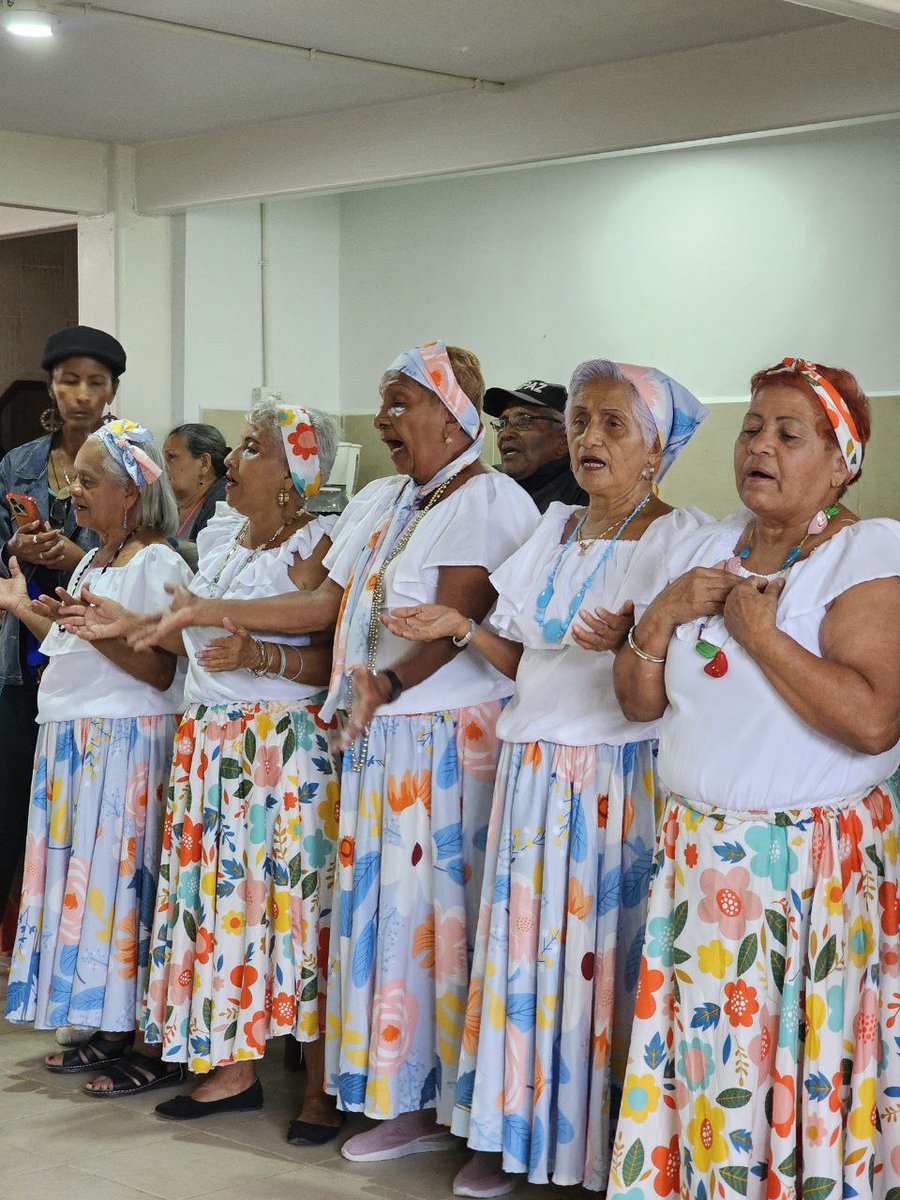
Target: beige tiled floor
(56, 1142)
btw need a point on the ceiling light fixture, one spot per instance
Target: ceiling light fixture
(27, 20)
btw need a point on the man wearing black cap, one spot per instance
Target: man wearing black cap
(83, 366)
(531, 439)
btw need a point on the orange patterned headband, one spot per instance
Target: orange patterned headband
(835, 406)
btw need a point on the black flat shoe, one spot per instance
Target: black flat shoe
(305, 1133)
(186, 1108)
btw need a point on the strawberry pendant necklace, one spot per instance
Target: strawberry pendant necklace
(716, 660)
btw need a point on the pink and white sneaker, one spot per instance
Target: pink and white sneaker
(410, 1133)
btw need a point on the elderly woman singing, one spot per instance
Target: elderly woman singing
(106, 716)
(572, 827)
(764, 1061)
(421, 740)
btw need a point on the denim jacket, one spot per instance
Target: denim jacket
(24, 469)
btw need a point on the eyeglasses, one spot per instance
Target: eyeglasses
(520, 422)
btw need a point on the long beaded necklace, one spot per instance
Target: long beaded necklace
(358, 762)
(717, 662)
(554, 629)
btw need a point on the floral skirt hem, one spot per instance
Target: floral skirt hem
(91, 860)
(765, 1058)
(411, 854)
(551, 1003)
(244, 902)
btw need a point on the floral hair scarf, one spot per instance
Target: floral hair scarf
(429, 366)
(123, 440)
(676, 412)
(301, 450)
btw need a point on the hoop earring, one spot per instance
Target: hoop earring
(283, 497)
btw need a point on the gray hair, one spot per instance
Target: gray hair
(204, 439)
(264, 415)
(156, 507)
(604, 368)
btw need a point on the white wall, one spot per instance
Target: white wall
(232, 341)
(708, 262)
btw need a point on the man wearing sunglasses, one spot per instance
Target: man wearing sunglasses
(531, 440)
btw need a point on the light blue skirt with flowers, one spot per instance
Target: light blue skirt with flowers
(91, 861)
(552, 999)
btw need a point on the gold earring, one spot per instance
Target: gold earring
(448, 440)
(283, 496)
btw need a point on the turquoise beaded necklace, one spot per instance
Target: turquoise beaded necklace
(554, 629)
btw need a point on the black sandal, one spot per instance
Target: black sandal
(93, 1055)
(137, 1072)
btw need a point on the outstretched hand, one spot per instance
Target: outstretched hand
(179, 615)
(95, 618)
(425, 622)
(14, 590)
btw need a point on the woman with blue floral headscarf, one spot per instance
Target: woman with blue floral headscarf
(106, 717)
(570, 842)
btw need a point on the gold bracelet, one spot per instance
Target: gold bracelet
(262, 666)
(650, 658)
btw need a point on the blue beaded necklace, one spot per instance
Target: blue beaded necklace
(554, 629)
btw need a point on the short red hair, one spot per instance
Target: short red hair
(844, 383)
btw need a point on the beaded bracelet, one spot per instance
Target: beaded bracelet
(650, 658)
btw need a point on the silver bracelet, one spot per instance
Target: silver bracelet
(650, 658)
(461, 643)
(295, 678)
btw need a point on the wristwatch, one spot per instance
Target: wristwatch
(396, 686)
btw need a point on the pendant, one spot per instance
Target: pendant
(554, 630)
(717, 665)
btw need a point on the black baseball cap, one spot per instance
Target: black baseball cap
(533, 391)
(82, 341)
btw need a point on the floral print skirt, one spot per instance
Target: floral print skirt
(245, 883)
(766, 1059)
(551, 1003)
(413, 830)
(91, 862)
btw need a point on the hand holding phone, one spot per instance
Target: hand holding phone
(23, 508)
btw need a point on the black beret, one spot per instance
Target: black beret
(81, 341)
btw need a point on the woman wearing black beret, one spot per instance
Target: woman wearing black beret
(83, 367)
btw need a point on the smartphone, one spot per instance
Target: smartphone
(24, 508)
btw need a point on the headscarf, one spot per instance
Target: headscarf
(676, 412)
(123, 440)
(301, 449)
(839, 415)
(429, 366)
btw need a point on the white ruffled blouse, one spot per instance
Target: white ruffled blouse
(732, 741)
(247, 575)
